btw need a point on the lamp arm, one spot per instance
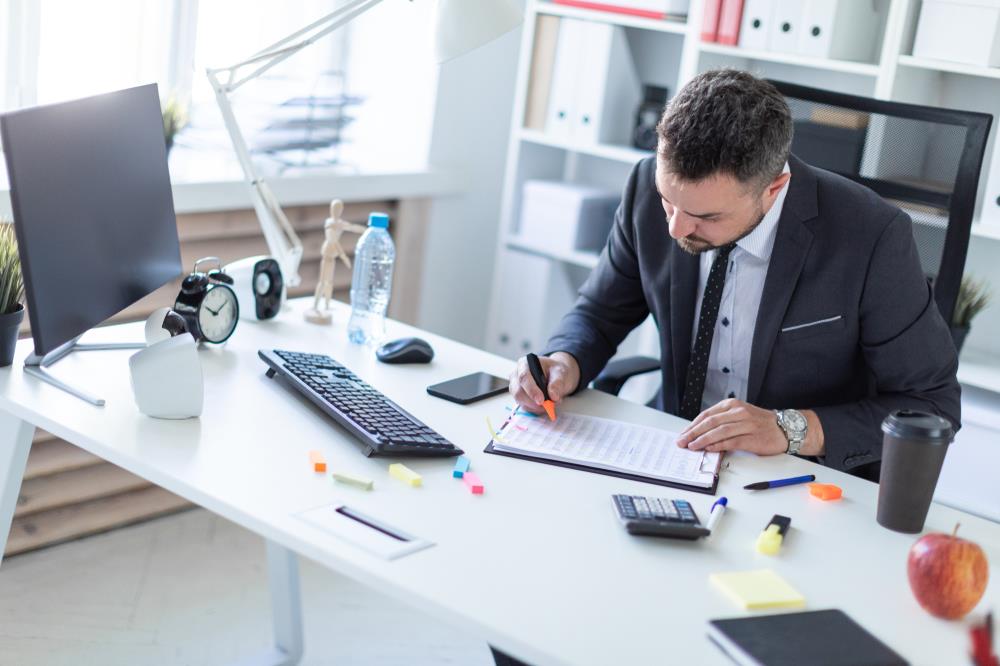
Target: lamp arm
(282, 241)
(278, 52)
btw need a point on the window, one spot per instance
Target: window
(64, 49)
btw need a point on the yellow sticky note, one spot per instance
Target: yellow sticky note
(755, 590)
(405, 474)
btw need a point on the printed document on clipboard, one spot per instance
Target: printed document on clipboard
(607, 446)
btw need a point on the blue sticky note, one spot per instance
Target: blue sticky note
(461, 467)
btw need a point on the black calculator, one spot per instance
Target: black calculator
(653, 516)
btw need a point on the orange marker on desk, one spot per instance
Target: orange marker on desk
(535, 367)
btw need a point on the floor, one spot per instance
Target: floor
(191, 589)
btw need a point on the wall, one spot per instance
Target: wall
(471, 130)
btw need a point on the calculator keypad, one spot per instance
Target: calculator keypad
(634, 507)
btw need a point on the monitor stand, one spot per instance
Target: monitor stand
(35, 365)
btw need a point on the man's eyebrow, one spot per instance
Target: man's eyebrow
(698, 215)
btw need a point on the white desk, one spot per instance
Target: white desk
(537, 566)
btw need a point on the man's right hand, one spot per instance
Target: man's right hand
(562, 371)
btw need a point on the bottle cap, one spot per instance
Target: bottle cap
(378, 220)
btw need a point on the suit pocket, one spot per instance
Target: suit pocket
(795, 331)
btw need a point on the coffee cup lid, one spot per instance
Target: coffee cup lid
(911, 424)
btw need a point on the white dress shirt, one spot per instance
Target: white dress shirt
(729, 359)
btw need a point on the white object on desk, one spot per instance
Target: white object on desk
(366, 532)
(960, 31)
(166, 378)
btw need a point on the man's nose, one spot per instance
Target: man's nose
(681, 225)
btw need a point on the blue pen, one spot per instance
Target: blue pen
(764, 485)
(718, 509)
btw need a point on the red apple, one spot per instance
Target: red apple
(947, 574)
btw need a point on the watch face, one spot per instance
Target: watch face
(218, 314)
(795, 421)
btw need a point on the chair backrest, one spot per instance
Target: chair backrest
(926, 160)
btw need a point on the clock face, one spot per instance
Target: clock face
(218, 314)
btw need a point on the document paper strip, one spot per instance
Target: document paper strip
(608, 444)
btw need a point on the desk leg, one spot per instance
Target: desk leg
(283, 578)
(15, 442)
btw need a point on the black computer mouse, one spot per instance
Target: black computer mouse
(405, 350)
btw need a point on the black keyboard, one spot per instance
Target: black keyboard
(382, 426)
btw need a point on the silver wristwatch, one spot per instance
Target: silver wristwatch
(794, 424)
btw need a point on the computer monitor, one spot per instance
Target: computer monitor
(93, 209)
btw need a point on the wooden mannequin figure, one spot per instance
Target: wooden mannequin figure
(334, 228)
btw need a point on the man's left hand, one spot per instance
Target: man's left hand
(733, 425)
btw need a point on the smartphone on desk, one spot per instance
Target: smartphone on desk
(470, 388)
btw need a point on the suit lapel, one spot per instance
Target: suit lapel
(791, 247)
(683, 293)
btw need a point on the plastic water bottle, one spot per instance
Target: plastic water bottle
(372, 282)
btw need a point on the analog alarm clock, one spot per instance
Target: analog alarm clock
(208, 303)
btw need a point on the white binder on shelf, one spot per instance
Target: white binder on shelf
(595, 88)
(608, 91)
(565, 74)
(786, 25)
(839, 29)
(756, 24)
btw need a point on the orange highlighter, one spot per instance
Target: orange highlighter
(535, 367)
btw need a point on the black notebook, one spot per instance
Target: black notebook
(818, 638)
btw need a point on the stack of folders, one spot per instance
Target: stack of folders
(583, 88)
(833, 29)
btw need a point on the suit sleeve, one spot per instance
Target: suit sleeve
(908, 349)
(611, 301)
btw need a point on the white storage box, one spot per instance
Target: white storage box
(966, 31)
(565, 217)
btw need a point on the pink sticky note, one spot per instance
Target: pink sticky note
(473, 483)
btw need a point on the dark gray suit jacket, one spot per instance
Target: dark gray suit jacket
(840, 251)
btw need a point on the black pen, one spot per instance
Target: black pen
(535, 367)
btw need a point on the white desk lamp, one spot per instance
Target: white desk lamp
(460, 26)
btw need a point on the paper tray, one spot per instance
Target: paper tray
(597, 470)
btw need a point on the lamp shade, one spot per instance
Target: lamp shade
(464, 25)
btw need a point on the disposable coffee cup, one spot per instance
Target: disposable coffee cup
(913, 450)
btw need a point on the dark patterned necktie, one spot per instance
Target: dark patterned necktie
(697, 370)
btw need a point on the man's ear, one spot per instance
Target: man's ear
(772, 190)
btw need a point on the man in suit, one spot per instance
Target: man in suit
(792, 310)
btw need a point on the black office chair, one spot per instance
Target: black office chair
(924, 159)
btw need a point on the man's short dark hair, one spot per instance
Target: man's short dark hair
(726, 121)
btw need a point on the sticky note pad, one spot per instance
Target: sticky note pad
(405, 474)
(472, 482)
(358, 481)
(317, 460)
(461, 467)
(825, 491)
(756, 590)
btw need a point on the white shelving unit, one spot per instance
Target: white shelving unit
(670, 53)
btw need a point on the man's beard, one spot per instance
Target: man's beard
(696, 245)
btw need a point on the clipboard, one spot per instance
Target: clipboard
(608, 472)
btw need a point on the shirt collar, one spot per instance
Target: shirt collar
(760, 241)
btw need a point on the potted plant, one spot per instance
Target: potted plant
(11, 293)
(973, 297)
(175, 118)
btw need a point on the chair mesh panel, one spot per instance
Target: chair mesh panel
(911, 163)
